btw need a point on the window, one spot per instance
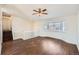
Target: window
(55, 26)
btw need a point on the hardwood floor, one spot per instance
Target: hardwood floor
(39, 46)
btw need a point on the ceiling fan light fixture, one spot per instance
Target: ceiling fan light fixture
(40, 12)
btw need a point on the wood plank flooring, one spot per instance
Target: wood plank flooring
(38, 46)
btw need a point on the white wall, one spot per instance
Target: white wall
(24, 28)
(21, 28)
(78, 30)
(69, 34)
(6, 23)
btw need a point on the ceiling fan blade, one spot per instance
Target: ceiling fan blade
(35, 10)
(44, 10)
(34, 13)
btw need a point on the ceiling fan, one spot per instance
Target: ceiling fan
(40, 12)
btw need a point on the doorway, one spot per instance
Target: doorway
(7, 27)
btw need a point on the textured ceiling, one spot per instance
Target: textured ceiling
(54, 10)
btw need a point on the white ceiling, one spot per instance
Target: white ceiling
(54, 10)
